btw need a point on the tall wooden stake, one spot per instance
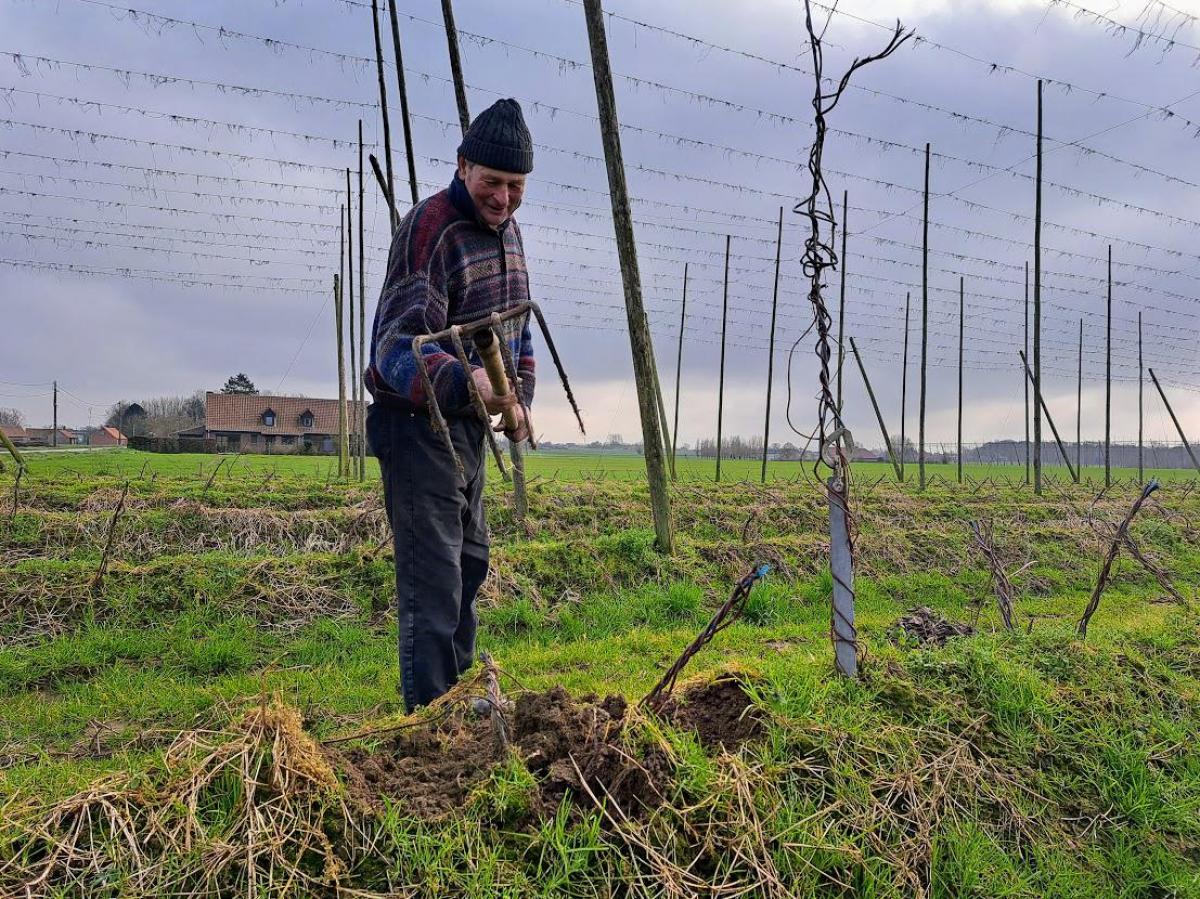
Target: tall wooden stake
(960, 373)
(1079, 410)
(904, 388)
(635, 312)
(1037, 307)
(403, 91)
(1062, 450)
(383, 109)
(721, 383)
(460, 90)
(354, 360)
(887, 440)
(1023, 380)
(343, 444)
(1108, 381)
(1141, 468)
(842, 297)
(1178, 426)
(924, 324)
(54, 432)
(362, 319)
(771, 348)
(658, 398)
(679, 369)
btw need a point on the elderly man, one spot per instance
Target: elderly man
(455, 258)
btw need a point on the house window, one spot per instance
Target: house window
(254, 438)
(268, 418)
(306, 420)
(288, 440)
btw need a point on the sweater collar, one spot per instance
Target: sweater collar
(460, 197)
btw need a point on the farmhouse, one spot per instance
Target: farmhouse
(106, 436)
(252, 423)
(45, 437)
(17, 434)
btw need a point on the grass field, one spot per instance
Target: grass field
(159, 732)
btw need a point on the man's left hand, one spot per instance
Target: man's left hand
(524, 426)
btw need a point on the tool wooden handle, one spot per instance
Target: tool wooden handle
(493, 363)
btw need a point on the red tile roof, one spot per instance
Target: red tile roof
(14, 432)
(244, 412)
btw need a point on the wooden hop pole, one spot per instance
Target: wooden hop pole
(721, 382)
(904, 388)
(924, 326)
(771, 347)
(658, 399)
(1141, 468)
(842, 297)
(961, 313)
(361, 413)
(1079, 410)
(1037, 307)
(343, 444)
(639, 340)
(383, 110)
(1178, 427)
(460, 90)
(403, 91)
(349, 284)
(679, 369)
(887, 440)
(1023, 379)
(1108, 381)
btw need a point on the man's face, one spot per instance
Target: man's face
(496, 193)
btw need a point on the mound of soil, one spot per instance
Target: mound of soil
(922, 625)
(720, 713)
(570, 745)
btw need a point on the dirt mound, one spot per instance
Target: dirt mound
(582, 746)
(719, 711)
(922, 625)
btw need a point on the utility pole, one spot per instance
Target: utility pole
(54, 433)
(679, 369)
(1141, 469)
(1023, 379)
(924, 323)
(1037, 307)
(1178, 427)
(904, 386)
(721, 384)
(408, 144)
(656, 473)
(383, 109)
(1079, 410)
(842, 297)
(960, 373)
(1108, 381)
(771, 348)
(460, 90)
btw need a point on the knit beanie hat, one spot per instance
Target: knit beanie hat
(499, 139)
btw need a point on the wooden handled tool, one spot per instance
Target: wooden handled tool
(493, 363)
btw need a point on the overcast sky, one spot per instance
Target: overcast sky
(158, 235)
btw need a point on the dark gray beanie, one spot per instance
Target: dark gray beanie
(499, 139)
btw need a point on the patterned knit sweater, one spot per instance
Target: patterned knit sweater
(446, 268)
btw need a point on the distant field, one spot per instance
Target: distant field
(551, 464)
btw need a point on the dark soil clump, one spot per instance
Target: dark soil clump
(720, 713)
(580, 746)
(922, 625)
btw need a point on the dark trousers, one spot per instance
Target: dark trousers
(441, 544)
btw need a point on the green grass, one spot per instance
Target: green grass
(1004, 764)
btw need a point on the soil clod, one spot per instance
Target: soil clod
(923, 625)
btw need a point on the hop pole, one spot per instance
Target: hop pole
(831, 433)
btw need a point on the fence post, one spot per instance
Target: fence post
(606, 103)
(771, 347)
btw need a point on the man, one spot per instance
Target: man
(455, 258)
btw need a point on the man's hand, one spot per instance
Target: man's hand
(524, 426)
(494, 404)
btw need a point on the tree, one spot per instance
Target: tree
(239, 383)
(12, 417)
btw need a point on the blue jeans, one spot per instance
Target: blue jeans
(441, 544)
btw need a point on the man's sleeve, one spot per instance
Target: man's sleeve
(525, 365)
(409, 306)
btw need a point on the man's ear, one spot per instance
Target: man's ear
(462, 167)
